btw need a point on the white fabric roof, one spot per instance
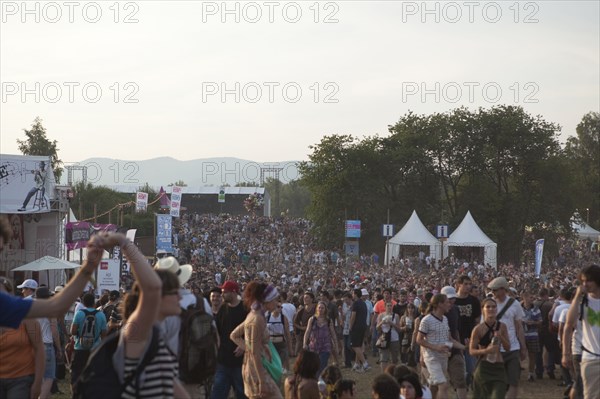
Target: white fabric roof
(585, 230)
(468, 234)
(47, 263)
(414, 233)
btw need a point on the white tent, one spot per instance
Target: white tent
(468, 234)
(46, 263)
(416, 234)
(585, 231)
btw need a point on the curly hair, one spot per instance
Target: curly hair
(254, 292)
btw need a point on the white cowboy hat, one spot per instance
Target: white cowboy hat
(183, 272)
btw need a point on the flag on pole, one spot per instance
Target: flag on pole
(539, 251)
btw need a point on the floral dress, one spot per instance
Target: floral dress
(253, 333)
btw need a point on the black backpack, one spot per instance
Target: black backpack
(87, 335)
(197, 344)
(99, 380)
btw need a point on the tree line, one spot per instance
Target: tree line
(504, 165)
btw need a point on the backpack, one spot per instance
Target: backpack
(107, 310)
(87, 334)
(198, 344)
(99, 380)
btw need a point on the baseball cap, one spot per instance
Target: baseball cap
(29, 283)
(498, 282)
(449, 291)
(230, 286)
(58, 289)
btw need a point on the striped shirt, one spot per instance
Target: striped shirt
(159, 375)
(436, 330)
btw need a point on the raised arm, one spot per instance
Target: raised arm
(138, 327)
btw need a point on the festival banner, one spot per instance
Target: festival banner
(352, 228)
(78, 234)
(221, 197)
(26, 184)
(109, 275)
(141, 203)
(176, 200)
(164, 232)
(539, 251)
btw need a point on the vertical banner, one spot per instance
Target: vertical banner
(539, 251)
(222, 195)
(164, 233)
(141, 203)
(109, 275)
(176, 200)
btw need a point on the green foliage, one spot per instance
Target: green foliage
(583, 158)
(37, 143)
(106, 199)
(502, 164)
(178, 183)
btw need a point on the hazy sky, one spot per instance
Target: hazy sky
(265, 80)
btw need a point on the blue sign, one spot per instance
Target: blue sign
(164, 233)
(442, 231)
(352, 228)
(388, 230)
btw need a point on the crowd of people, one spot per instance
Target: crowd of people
(289, 317)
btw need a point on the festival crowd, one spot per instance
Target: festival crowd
(249, 307)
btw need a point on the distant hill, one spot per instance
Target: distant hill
(126, 175)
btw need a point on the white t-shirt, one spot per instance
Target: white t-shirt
(558, 310)
(590, 329)
(289, 311)
(562, 319)
(513, 315)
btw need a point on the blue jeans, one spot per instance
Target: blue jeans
(323, 359)
(50, 367)
(225, 379)
(16, 388)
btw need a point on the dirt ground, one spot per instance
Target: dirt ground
(539, 389)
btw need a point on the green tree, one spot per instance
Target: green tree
(179, 183)
(583, 154)
(37, 143)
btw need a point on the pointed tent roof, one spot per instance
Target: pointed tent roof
(584, 230)
(165, 202)
(468, 233)
(414, 233)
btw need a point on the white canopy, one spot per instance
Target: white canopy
(46, 263)
(468, 234)
(416, 234)
(585, 231)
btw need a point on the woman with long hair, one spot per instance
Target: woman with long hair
(489, 378)
(154, 296)
(253, 337)
(388, 324)
(22, 356)
(303, 384)
(320, 336)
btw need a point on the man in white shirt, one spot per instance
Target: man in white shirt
(586, 307)
(512, 317)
